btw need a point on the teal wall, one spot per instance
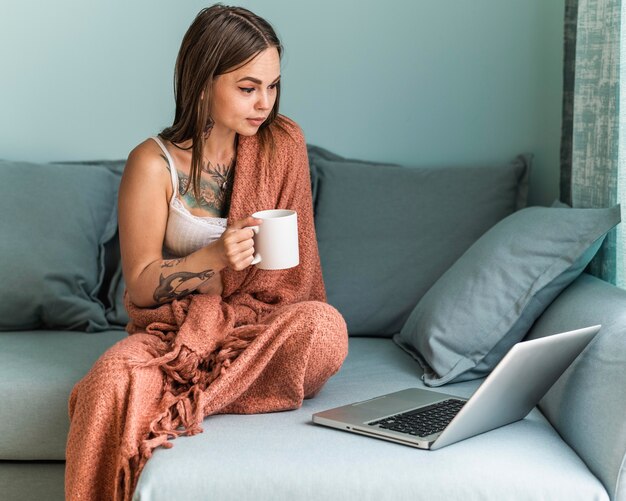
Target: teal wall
(418, 82)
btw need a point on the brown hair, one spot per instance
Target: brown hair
(219, 40)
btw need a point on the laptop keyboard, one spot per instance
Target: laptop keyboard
(424, 421)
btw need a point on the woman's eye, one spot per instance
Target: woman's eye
(273, 86)
(247, 90)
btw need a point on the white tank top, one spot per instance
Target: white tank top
(186, 233)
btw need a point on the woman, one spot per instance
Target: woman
(210, 333)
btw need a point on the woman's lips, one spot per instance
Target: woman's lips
(256, 121)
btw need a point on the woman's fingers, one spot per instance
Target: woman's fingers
(239, 243)
(246, 222)
(241, 231)
(242, 260)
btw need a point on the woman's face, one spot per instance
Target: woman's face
(243, 99)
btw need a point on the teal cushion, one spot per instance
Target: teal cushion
(283, 456)
(488, 300)
(387, 233)
(111, 291)
(316, 153)
(55, 222)
(587, 404)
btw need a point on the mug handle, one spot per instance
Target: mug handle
(257, 256)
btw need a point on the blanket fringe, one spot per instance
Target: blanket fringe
(187, 376)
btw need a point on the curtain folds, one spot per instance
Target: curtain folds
(592, 170)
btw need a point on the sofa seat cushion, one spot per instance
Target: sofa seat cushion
(283, 456)
(38, 370)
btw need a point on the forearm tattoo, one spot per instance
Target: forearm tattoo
(180, 283)
(170, 263)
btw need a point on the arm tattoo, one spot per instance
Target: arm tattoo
(180, 284)
(170, 263)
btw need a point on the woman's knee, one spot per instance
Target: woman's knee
(329, 345)
(110, 375)
(327, 324)
(120, 358)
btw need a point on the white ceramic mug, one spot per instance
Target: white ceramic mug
(276, 240)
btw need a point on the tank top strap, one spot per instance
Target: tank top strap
(173, 171)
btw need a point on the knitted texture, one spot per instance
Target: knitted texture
(266, 344)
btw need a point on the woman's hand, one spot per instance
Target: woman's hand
(235, 246)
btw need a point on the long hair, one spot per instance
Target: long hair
(220, 40)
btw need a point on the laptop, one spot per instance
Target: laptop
(428, 419)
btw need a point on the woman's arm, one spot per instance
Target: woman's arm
(143, 212)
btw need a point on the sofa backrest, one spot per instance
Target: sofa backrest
(385, 232)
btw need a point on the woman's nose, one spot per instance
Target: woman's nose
(264, 101)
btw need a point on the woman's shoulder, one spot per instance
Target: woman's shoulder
(148, 157)
(286, 130)
(146, 166)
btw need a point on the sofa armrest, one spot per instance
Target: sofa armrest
(587, 405)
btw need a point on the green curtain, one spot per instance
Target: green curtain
(590, 153)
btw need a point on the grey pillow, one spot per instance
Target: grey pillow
(317, 153)
(111, 292)
(488, 300)
(55, 222)
(387, 233)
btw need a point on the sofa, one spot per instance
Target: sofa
(438, 271)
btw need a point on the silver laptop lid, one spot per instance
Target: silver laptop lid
(516, 385)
